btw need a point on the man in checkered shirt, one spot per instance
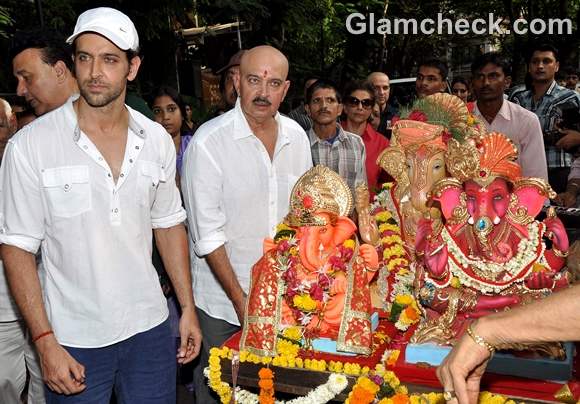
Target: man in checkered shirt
(546, 99)
(332, 146)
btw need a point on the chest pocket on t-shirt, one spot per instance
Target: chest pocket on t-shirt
(150, 175)
(67, 189)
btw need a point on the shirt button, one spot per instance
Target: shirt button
(100, 159)
(66, 187)
(115, 210)
(109, 175)
(130, 160)
(85, 147)
(122, 175)
(137, 147)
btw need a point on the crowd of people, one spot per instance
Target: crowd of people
(90, 189)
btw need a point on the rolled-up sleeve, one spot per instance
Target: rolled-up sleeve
(167, 210)
(21, 208)
(202, 187)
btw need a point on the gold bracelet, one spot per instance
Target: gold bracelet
(558, 253)
(479, 340)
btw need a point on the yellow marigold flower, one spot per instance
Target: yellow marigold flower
(368, 385)
(388, 185)
(276, 361)
(404, 300)
(455, 282)
(389, 227)
(365, 370)
(470, 120)
(292, 333)
(293, 251)
(402, 389)
(383, 216)
(299, 362)
(349, 244)
(291, 362)
(304, 302)
(243, 356)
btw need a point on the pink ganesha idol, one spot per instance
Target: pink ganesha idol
(488, 253)
(314, 275)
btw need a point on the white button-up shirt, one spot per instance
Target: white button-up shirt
(235, 196)
(523, 128)
(58, 192)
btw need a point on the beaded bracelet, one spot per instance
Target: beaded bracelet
(479, 340)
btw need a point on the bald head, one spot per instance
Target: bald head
(382, 86)
(265, 56)
(7, 124)
(262, 83)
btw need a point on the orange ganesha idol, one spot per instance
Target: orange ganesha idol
(314, 275)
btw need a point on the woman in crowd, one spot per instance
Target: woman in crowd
(460, 88)
(169, 111)
(188, 121)
(358, 101)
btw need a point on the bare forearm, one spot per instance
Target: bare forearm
(172, 245)
(22, 275)
(220, 264)
(556, 318)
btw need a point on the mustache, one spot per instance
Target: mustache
(95, 82)
(261, 101)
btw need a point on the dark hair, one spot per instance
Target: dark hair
(174, 95)
(493, 58)
(321, 83)
(460, 79)
(544, 47)
(437, 64)
(359, 85)
(51, 43)
(570, 70)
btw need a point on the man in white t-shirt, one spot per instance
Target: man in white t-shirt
(238, 173)
(88, 183)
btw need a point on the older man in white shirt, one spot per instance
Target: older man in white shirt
(238, 173)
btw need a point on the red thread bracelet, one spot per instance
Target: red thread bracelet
(44, 334)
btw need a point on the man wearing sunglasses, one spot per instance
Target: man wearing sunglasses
(331, 146)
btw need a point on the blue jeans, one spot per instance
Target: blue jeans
(141, 369)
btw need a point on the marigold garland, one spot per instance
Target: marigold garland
(266, 384)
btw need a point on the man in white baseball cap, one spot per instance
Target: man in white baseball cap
(89, 184)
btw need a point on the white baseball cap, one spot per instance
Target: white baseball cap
(110, 23)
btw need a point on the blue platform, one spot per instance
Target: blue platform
(502, 363)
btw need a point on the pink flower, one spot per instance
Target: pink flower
(417, 116)
(283, 245)
(316, 292)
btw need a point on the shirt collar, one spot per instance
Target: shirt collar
(551, 88)
(134, 126)
(315, 139)
(504, 112)
(242, 127)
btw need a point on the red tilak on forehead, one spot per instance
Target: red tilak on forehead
(265, 73)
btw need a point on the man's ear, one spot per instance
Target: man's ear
(287, 86)
(557, 67)
(134, 65)
(61, 71)
(307, 109)
(237, 78)
(12, 123)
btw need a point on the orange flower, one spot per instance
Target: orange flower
(400, 399)
(411, 313)
(266, 373)
(266, 384)
(361, 396)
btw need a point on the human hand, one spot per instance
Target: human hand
(566, 199)
(190, 334)
(240, 307)
(461, 371)
(557, 233)
(338, 284)
(570, 139)
(60, 371)
(370, 256)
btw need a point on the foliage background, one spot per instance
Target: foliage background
(312, 33)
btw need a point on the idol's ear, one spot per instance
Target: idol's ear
(447, 192)
(343, 229)
(531, 194)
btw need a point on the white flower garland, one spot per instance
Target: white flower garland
(322, 394)
(526, 255)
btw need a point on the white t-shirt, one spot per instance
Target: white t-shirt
(235, 196)
(58, 192)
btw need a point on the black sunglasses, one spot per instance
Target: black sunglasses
(367, 103)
